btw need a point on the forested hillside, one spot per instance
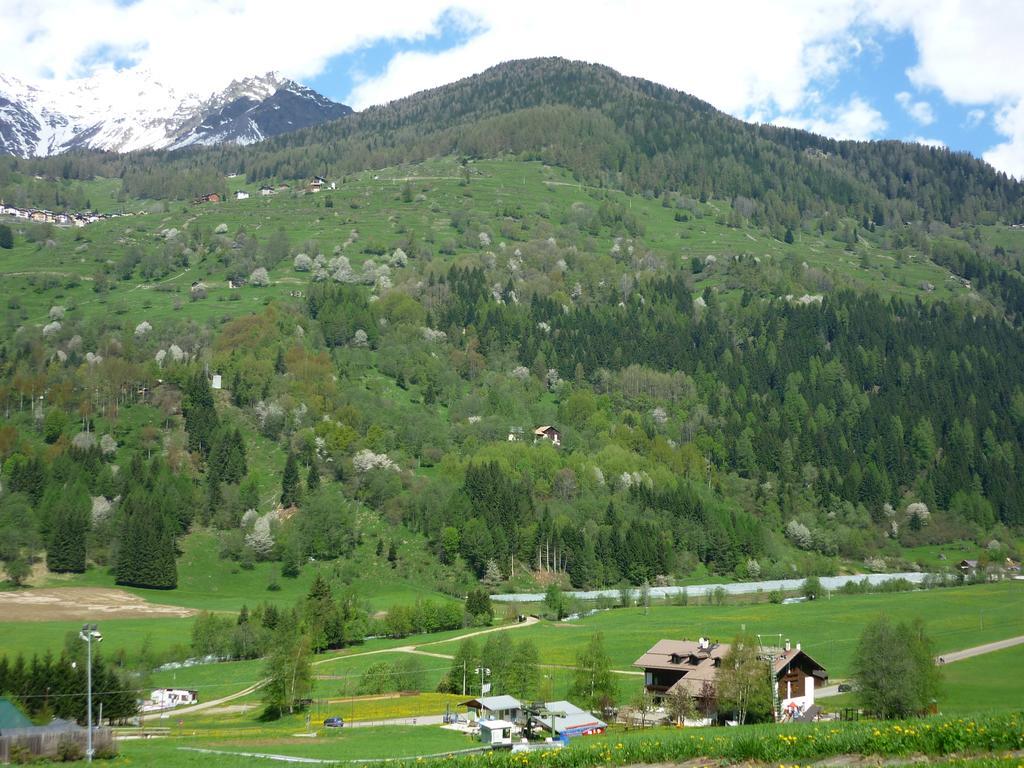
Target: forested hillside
(766, 353)
(609, 130)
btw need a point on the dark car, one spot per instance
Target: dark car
(845, 687)
(334, 722)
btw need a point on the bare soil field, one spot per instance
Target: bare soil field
(71, 603)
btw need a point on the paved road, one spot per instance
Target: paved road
(946, 658)
(425, 720)
(739, 588)
(978, 650)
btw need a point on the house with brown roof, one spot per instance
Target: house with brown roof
(547, 432)
(692, 666)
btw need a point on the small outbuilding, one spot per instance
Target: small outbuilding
(497, 733)
(495, 708)
(241, 195)
(563, 719)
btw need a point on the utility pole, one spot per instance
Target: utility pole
(88, 634)
(463, 677)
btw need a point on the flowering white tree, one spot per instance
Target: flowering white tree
(366, 460)
(259, 277)
(799, 534)
(302, 263)
(142, 329)
(84, 441)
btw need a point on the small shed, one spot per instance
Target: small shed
(497, 733)
(241, 195)
(495, 708)
(216, 382)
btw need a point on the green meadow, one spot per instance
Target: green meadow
(958, 617)
(369, 211)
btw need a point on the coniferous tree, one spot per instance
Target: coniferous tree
(313, 479)
(6, 237)
(69, 527)
(290, 484)
(146, 555)
(200, 414)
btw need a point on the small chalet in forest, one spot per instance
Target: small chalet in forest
(266, 191)
(548, 432)
(692, 666)
(210, 197)
(241, 195)
(318, 183)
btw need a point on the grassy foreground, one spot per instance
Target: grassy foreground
(973, 742)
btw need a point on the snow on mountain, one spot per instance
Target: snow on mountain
(131, 110)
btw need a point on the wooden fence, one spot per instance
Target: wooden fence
(17, 743)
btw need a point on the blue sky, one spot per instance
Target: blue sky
(941, 71)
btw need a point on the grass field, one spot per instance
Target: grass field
(372, 204)
(992, 682)
(343, 744)
(163, 636)
(828, 629)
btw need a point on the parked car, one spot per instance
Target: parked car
(845, 687)
(334, 722)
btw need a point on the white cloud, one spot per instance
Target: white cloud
(974, 118)
(856, 119)
(969, 51)
(199, 45)
(769, 59)
(934, 143)
(1009, 155)
(920, 111)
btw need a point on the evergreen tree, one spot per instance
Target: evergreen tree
(69, 526)
(313, 479)
(146, 554)
(6, 237)
(200, 414)
(290, 487)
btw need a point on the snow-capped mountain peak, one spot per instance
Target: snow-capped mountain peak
(128, 110)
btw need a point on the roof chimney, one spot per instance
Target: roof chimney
(787, 645)
(798, 646)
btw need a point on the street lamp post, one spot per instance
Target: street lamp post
(88, 634)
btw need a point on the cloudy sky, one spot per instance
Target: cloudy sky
(942, 72)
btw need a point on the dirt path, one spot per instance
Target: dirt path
(530, 621)
(215, 702)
